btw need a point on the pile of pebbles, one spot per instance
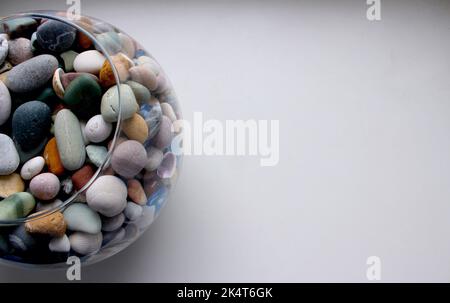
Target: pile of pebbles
(59, 111)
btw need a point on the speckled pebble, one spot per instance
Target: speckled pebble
(97, 129)
(129, 158)
(19, 50)
(11, 184)
(23, 77)
(45, 186)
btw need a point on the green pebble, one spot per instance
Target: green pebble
(68, 58)
(18, 205)
(82, 90)
(141, 93)
(96, 154)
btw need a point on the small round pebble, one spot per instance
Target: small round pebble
(97, 129)
(45, 186)
(129, 158)
(19, 50)
(107, 195)
(32, 168)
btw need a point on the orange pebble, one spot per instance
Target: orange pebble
(52, 159)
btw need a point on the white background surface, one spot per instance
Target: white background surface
(364, 112)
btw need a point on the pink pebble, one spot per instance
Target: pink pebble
(45, 186)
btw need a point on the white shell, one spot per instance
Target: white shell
(85, 244)
(167, 168)
(32, 168)
(133, 211)
(61, 244)
(113, 223)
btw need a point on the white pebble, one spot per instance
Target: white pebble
(32, 168)
(90, 61)
(97, 129)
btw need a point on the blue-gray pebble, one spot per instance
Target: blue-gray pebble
(31, 74)
(30, 124)
(55, 36)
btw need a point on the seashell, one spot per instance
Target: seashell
(133, 211)
(80, 217)
(85, 244)
(168, 166)
(136, 192)
(113, 223)
(59, 244)
(57, 84)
